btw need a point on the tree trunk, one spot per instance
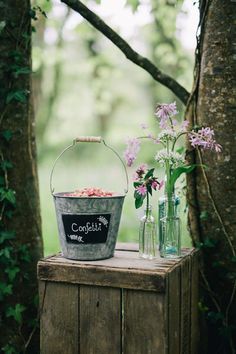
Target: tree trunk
(20, 224)
(212, 193)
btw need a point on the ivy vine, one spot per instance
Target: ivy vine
(14, 257)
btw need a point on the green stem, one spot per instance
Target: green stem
(178, 136)
(147, 207)
(169, 192)
(150, 137)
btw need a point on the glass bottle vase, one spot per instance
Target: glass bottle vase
(169, 227)
(148, 235)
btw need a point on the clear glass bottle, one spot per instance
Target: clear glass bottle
(162, 212)
(169, 227)
(148, 235)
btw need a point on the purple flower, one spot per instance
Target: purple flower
(165, 110)
(130, 154)
(140, 172)
(204, 138)
(142, 190)
(143, 126)
(184, 125)
(163, 123)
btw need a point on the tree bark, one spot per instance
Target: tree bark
(212, 191)
(18, 148)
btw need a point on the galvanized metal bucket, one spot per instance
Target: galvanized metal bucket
(88, 226)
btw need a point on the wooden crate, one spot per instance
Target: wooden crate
(122, 305)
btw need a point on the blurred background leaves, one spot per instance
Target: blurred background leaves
(83, 85)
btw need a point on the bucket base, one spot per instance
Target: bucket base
(89, 252)
(84, 258)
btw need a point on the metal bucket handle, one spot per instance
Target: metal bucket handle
(88, 139)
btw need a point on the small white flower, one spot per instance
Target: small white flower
(174, 158)
(167, 134)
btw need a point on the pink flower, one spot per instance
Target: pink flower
(130, 154)
(155, 185)
(135, 177)
(165, 110)
(142, 190)
(204, 138)
(142, 169)
(161, 184)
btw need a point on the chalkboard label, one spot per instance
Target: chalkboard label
(84, 229)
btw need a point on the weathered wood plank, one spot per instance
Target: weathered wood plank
(59, 318)
(185, 316)
(121, 259)
(127, 246)
(173, 306)
(144, 325)
(194, 305)
(100, 320)
(125, 270)
(122, 278)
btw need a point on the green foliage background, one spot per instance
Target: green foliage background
(83, 85)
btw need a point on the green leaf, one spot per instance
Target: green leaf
(215, 316)
(32, 14)
(6, 235)
(19, 96)
(149, 173)
(134, 4)
(139, 202)
(8, 194)
(7, 135)
(5, 164)
(25, 253)
(2, 181)
(136, 184)
(16, 312)
(181, 150)
(9, 214)
(207, 243)
(177, 172)
(204, 215)
(202, 307)
(6, 252)
(11, 272)
(5, 289)
(9, 349)
(18, 70)
(2, 26)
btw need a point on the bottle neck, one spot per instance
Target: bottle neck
(168, 195)
(148, 211)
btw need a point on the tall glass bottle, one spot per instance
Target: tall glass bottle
(162, 211)
(148, 235)
(169, 226)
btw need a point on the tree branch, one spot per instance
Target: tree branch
(130, 54)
